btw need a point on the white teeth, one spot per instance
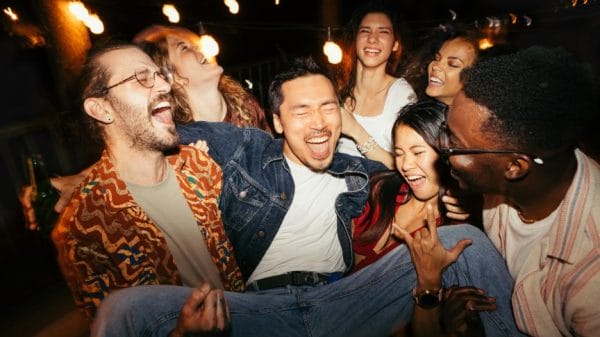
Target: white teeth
(371, 50)
(435, 80)
(317, 140)
(414, 178)
(162, 105)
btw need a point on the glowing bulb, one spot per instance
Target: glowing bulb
(78, 9)
(95, 24)
(333, 52)
(208, 46)
(249, 84)
(513, 18)
(171, 13)
(485, 44)
(12, 15)
(233, 5)
(277, 2)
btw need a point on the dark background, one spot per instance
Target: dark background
(38, 111)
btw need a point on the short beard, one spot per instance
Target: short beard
(139, 129)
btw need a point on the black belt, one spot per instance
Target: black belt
(294, 278)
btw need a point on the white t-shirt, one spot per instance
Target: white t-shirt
(380, 126)
(521, 237)
(307, 239)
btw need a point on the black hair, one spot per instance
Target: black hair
(539, 99)
(416, 69)
(425, 118)
(299, 67)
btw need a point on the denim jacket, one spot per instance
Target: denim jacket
(258, 187)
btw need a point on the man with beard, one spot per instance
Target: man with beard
(287, 206)
(512, 134)
(142, 217)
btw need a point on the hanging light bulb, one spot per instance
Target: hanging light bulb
(171, 13)
(233, 5)
(207, 44)
(276, 2)
(332, 50)
(12, 15)
(78, 9)
(92, 21)
(95, 24)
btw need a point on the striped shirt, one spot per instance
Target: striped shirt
(557, 291)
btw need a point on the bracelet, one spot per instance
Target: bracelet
(366, 147)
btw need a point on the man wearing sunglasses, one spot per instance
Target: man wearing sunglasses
(511, 134)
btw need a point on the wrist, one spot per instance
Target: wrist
(428, 298)
(434, 282)
(367, 146)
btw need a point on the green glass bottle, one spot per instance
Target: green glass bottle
(43, 196)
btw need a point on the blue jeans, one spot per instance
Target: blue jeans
(372, 302)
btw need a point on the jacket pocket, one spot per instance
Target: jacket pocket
(242, 200)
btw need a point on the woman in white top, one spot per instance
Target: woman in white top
(372, 95)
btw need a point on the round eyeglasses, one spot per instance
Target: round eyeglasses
(145, 77)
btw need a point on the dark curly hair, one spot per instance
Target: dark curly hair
(540, 98)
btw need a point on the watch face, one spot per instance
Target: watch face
(429, 300)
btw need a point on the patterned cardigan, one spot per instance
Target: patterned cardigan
(105, 241)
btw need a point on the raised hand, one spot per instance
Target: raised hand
(430, 258)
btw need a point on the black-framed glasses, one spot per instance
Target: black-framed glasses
(145, 78)
(446, 150)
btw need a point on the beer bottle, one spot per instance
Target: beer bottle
(43, 196)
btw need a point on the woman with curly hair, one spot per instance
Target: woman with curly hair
(202, 92)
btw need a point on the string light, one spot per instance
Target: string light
(452, 14)
(513, 18)
(12, 15)
(78, 9)
(276, 2)
(171, 13)
(207, 44)
(485, 43)
(92, 21)
(233, 5)
(249, 84)
(332, 50)
(95, 24)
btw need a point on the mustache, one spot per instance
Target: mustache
(161, 98)
(319, 133)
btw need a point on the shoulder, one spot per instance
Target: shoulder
(401, 86)
(361, 163)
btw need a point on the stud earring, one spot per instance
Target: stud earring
(108, 119)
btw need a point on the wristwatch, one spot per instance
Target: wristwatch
(428, 298)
